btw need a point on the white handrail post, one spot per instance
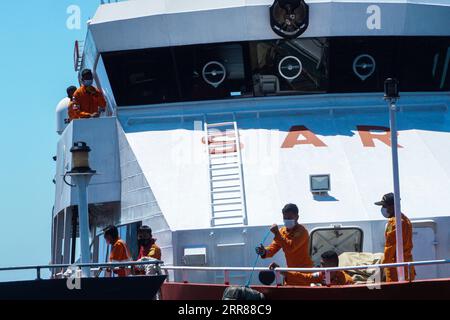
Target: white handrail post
(79, 273)
(395, 170)
(409, 271)
(278, 278)
(184, 276)
(226, 277)
(166, 272)
(327, 278)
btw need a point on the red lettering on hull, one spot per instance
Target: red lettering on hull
(295, 132)
(368, 135)
(222, 142)
(225, 142)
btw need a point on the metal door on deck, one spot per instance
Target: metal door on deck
(424, 249)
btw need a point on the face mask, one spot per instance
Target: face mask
(87, 83)
(385, 213)
(144, 242)
(289, 223)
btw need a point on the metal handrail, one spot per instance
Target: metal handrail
(38, 268)
(279, 270)
(308, 270)
(226, 270)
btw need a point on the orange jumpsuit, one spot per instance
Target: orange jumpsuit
(390, 248)
(155, 252)
(340, 278)
(85, 102)
(120, 253)
(152, 251)
(295, 244)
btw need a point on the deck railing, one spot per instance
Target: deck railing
(226, 270)
(92, 266)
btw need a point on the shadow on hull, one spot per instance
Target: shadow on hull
(129, 288)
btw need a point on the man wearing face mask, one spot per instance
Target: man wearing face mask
(388, 211)
(293, 238)
(87, 101)
(147, 249)
(147, 244)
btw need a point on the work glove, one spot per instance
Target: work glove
(260, 250)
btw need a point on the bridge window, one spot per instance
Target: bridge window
(142, 77)
(277, 67)
(362, 64)
(188, 73)
(295, 67)
(215, 71)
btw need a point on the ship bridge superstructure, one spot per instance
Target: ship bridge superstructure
(214, 123)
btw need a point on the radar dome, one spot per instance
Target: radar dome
(62, 113)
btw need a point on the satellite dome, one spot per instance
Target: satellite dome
(62, 113)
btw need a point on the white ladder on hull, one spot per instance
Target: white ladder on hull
(228, 205)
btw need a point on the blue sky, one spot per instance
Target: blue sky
(37, 66)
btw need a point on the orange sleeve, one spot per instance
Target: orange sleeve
(293, 244)
(73, 112)
(101, 100)
(155, 253)
(348, 279)
(300, 279)
(407, 235)
(118, 252)
(342, 279)
(76, 99)
(304, 276)
(390, 245)
(273, 248)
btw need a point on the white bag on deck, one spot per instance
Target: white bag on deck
(348, 259)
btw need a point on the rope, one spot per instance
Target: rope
(256, 261)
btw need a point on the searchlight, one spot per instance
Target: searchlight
(320, 183)
(289, 18)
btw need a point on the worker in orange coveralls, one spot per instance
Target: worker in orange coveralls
(87, 101)
(388, 211)
(293, 238)
(147, 248)
(147, 244)
(119, 251)
(330, 259)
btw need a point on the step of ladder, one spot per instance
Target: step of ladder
(227, 194)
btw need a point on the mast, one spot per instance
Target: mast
(391, 95)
